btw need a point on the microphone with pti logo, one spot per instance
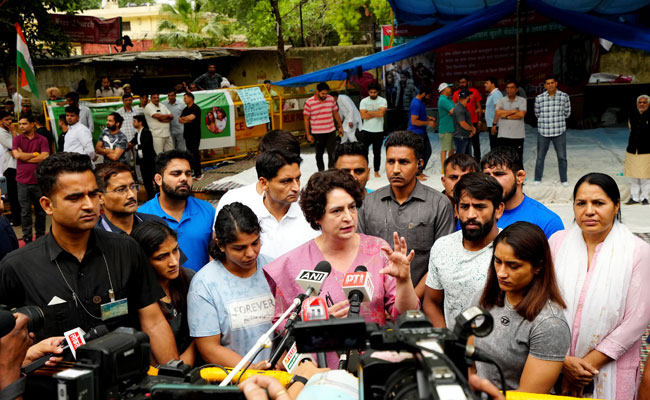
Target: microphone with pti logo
(310, 281)
(358, 288)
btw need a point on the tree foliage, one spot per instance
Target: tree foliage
(190, 25)
(43, 37)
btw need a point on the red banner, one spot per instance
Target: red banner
(86, 29)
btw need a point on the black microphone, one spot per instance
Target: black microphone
(310, 281)
(94, 333)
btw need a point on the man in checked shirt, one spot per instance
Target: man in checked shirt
(552, 108)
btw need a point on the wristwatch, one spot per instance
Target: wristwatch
(298, 378)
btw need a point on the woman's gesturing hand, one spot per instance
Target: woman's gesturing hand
(399, 265)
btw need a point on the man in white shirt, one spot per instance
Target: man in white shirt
(78, 139)
(16, 97)
(284, 226)
(85, 116)
(159, 120)
(106, 90)
(459, 262)
(373, 109)
(350, 116)
(177, 128)
(8, 164)
(252, 195)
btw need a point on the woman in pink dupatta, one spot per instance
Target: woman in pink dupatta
(603, 271)
(329, 202)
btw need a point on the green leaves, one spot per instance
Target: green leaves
(191, 25)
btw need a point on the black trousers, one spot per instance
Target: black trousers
(476, 144)
(192, 145)
(147, 171)
(494, 140)
(325, 141)
(12, 189)
(375, 139)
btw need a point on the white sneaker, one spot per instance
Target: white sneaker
(537, 182)
(565, 184)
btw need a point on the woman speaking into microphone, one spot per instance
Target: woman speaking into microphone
(330, 202)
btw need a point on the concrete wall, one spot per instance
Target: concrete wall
(627, 61)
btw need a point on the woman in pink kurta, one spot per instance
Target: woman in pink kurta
(603, 270)
(329, 202)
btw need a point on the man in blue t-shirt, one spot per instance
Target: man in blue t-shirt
(419, 120)
(191, 218)
(505, 165)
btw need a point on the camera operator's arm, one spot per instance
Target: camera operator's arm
(306, 370)
(13, 348)
(153, 323)
(45, 346)
(214, 353)
(399, 267)
(432, 306)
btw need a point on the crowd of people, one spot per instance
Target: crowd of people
(204, 284)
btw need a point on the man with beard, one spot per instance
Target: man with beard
(191, 218)
(416, 212)
(474, 108)
(112, 143)
(459, 262)
(118, 196)
(504, 164)
(373, 109)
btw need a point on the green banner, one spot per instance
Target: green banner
(217, 117)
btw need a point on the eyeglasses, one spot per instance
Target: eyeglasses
(122, 189)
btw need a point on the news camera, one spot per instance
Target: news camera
(408, 359)
(8, 322)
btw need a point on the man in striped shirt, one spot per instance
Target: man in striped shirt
(320, 112)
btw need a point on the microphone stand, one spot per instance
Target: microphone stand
(264, 339)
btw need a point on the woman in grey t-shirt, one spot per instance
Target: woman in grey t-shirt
(531, 336)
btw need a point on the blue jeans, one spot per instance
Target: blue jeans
(463, 145)
(559, 143)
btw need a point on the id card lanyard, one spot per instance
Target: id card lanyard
(77, 299)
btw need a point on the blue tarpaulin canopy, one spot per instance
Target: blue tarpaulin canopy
(572, 14)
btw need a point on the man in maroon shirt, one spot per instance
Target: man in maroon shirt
(29, 149)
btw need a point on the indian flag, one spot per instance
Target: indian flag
(24, 62)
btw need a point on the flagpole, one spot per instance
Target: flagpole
(17, 89)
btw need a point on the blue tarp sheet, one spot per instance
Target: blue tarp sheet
(616, 32)
(451, 33)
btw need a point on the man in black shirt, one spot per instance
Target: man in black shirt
(191, 118)
(79, 275)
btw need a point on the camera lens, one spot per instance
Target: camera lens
(36, 317)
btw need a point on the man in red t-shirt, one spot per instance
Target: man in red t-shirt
(319, 113)
(475, 111)
(29, 149)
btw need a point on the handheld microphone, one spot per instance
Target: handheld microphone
(315, 309)
(358, 288)
(94, 333)
(311, 282)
